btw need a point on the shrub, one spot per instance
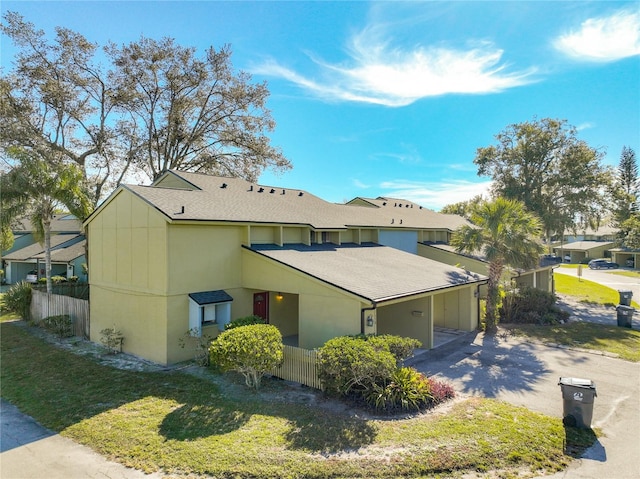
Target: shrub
(18, 299)
(530, 306)
(112, 339)
(73, 279)
(406, 390)
(246, 321)
(440, 391)
(401, 348)
(349, 365)
(251, 350)
(61, 326)
(199, 344)
(58, 279)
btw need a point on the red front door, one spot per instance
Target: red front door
(261, 305)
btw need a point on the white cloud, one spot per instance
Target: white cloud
(377, 73)
(604, 39)
(359, 184)
(435, 195)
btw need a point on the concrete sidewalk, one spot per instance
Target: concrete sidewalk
(30, 451)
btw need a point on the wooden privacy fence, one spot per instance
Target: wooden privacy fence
(299, 365)
(44, 305)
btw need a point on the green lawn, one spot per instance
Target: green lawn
(178, 423)
(587, 291)
(624, 342)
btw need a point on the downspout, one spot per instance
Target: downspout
(362, 311)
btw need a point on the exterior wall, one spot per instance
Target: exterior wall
(283, 313)
(172, 181)
(324, 312)
(456, 309)
(411, 319)
(201, 258)
(398, 239)
(295, 235)
(453, 259)
(128, 261)
(20, 241)
(263, 235)
(368, 236)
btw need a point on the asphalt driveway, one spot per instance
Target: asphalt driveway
(526, 374)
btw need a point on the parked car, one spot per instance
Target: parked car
(32, 276)
(602, 264)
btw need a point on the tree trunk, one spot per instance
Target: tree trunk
(493, 296)
(47, 252)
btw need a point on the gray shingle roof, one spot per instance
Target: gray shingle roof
(583, 245)
(36, 249)
(64, 254)
(211, 297)
(376, 273)
(233, 199)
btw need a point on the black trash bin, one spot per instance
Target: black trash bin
(625, 315)
(625, 297)
(577, 401)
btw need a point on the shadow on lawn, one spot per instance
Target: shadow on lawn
(76, 388)
(309, 429)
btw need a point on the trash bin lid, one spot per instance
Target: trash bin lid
(624, 307)
(577, 382)
(625, 291)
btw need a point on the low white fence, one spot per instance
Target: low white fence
(300, 366)
(44, 305)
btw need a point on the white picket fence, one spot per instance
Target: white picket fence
(300, 366)
(44, 305)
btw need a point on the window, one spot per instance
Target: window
(208, 308)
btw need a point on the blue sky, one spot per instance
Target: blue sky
(392, 98)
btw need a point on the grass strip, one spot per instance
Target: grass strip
(179, 423)
(586, 291)
(624, 342)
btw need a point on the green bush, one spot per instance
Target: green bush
(401, 348)
(251, 350)
(61, 326)
(18, 299)
(246, 321)
(530, 306)
(349, 365)
(58, 279)
(406, 390)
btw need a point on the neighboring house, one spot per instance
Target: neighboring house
(583, 251)
(626, 257)
(27, 254)
(602, 233)
(192, 252)
(540, 277)
(67, 256)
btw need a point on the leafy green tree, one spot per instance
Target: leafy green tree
(251, 350)
(153, 105)
(629, 234)
(506, 234)
(462, 208)
(36, 187)
(557, 176)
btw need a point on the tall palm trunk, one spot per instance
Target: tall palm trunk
(493, 295)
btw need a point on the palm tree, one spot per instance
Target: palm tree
(506, 234)
(36, 188)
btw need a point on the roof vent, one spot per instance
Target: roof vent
(251, 188)
(407, 206)
(421, 207)
(392, 220)
(283, 191)
(272, 190)
(400, 221)
(300, 193)
(224, 185)
(260, 190)
(384, 203)
(181, 212)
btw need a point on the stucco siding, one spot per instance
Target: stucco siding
(456, 309)
(204, 258)
(409, 319)
(323, 317)
(139, 317)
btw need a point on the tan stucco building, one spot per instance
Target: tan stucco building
(192, 252)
